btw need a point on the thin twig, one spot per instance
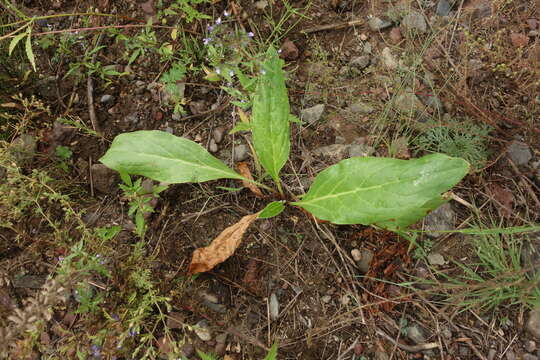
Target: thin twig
(409, 348)
(335, 26)
(90, 90)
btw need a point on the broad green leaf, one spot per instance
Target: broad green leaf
(15, 41)
(272, 354)
(29, 52)
(270, 118)
(164, 157)
(272, 209)
(389, 193)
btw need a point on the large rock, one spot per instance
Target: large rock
(533, 323)
(312, 114)
(414, 21)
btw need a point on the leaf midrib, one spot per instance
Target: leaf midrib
(203, 165)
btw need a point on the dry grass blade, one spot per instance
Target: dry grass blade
(243, 168)
(221, 248)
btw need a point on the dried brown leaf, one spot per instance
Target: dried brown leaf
(221, 248)
(504, 197)
(243, 168)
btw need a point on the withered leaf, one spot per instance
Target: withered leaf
(221, 248)
(504, 197)
(243, 168)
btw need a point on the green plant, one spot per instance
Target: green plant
(498, 277)
(383, 192)
(139, 200)
(464, 139)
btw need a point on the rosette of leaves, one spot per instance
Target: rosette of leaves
(385, 192)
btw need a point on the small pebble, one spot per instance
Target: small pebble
(273, 307)
(326, 299)
(212, 147)
(202, 330)
(218, 133)
(106, 99)
(356, 254)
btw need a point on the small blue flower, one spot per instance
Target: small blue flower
(115, 317)
(210, 28)
(250, 34)
(263, 72)
(60, 259)
(226, 13)
(132, 332)
(96, 351)
(206, 41)
(279, 51)
(218, 21)
(99, 259)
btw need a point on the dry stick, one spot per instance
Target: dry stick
(127, 26)
(90, 91)
(409, 348)
(335, 26)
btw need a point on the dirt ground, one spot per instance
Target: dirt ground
(338, 292)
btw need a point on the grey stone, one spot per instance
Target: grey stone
(356, 254)
(198, 106)
(29, 281)
(326, 299)
(365, 260)
(381, 355)
(132, 118)
(533, 323)
(203, 331)
(416, 334)
(333, 153)
(510, 355)
(361, 62)
(240, 152)
(436, 259)
(388, 60)
(361, 108)
(360, 150)
(218, 134)
(408, 102)
(368, 47)
(530, 346)
(414, 21)
(103, 178)
(376, 24)
(261, 4)
(312, 114)
(440, 219)
(23, 149)
(273, 305)
(212, 146)
(105, 99)
(519, 152)
(443, 8)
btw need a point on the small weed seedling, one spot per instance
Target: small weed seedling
(384, 192)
